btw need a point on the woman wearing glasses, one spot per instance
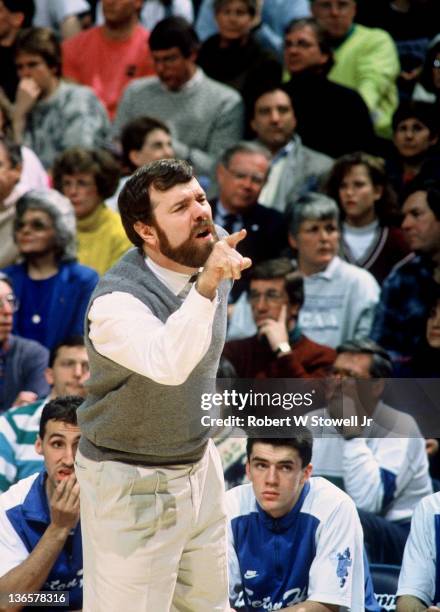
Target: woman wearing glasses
(52, 288)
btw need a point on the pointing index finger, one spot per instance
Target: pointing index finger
(235, 238)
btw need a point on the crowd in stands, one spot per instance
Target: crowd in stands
(314, 125)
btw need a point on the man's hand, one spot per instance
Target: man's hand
(275, 331)
(64, 504)
(24, 398)
(224, 262)
(27, 95)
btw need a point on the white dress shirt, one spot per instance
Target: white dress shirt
(125, 330)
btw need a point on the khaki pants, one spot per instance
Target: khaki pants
(154, 539)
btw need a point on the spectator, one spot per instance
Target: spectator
(425, 362)
(270, 21)
(279, 350)
(107, 57)
(233, 56)
(290, 535)
(11, 164)
(241, 174)
(14, 15)
(205, 116)
(61, 16)
(153, 11)
(385, 473)
(51, 115)
(428, 87)
(365, 59)
(143, 140)
(399, 323)
(66, 374)
(295, 169)
(340, 298)
(53, 289)
(22, 362)
(45, 554)
(368, 208)
(415, 132)
(33, 175)
(419, 580)
(87, 177)
(341, 125)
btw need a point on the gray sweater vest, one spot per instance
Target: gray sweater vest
(128, 417)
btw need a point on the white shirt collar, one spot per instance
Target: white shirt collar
(175, 281)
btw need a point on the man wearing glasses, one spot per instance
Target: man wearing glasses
(366, 59)
(22, 361)
(241, 175)
(382, 466)
(279, 349)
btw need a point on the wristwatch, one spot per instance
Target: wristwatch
(283, 349)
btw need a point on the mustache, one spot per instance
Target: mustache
(202, 226)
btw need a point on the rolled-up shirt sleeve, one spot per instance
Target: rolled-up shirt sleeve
(125, 330)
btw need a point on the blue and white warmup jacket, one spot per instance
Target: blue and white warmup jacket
(24, 517)
(420, 574)
(385, 471)
(314, 552)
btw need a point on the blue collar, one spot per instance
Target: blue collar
(35, 506)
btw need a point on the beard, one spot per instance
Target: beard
(190, 253)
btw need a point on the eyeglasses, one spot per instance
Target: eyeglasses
(269, 296)
(11, 300)
(256, 179)
(38, 225)
(342, 5)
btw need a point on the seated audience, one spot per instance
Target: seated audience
(427, 88)
(205, 117)
(51, 115)
(143, 140)
(419, 580)
(341, 125)
(22, 362)
(108, 56)
(279, 349)
(295, 169)
(339, 298)
(365, 59)
(16, 14)
(45, 554)
(269, 24)
(425, 362)
(241, 174)
(399, 323)
(292, 538)
(415, 132)
(66, 374)
(233, 56)
(385, 473)
(53, 289)
(369, 214)
(62, 16)
(87, 177)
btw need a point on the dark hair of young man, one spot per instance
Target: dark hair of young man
(174, 32)
(60, 409)
(71, 341)
(42, 42)
(134, 134)
(302, 442)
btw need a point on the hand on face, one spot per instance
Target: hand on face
(275, 331)
(224, 262)
(64, 503)
(28, 93)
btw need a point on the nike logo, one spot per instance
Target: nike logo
(251, 574)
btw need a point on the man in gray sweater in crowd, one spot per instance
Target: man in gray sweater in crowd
(205, 116)
(152, 507)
